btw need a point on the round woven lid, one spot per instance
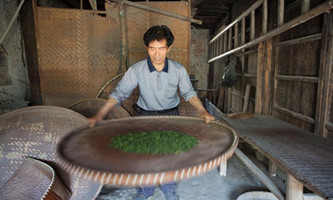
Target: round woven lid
(86, 151)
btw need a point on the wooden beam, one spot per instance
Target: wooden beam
(257, 172)
(300, 40)
(294, 189)
(307, 79)
(28, 25)
(295, 114)
(264, 78)
(325, 85)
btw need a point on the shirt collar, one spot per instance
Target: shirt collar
(152, 68)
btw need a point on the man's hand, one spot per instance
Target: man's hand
(93, 120)
(207, 117)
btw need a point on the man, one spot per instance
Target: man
(158, 78)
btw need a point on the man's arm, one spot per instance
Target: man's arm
(109, 105)
(196, 103)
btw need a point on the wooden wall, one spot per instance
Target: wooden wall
(290, 74)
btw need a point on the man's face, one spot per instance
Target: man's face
(157, 51)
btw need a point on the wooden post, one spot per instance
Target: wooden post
(264, 78)
(123, 55)
(305, 6)
(294, 189)
(264, 17)
(223, 168)
(230, 39)
(253, 23)
(28, 15)
(325, 86)
(272, 169)
(280, 12)
(236, 35)
(246, 97)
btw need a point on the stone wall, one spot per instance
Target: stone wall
(14, 84)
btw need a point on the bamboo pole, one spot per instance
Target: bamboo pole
(305, 6)
(137, 5)
(253, 24)
(264, 17)
(280, 12)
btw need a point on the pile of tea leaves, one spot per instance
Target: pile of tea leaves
(154, 142)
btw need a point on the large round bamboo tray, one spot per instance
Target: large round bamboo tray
(35, 131)
(90, 107)
(86, 153)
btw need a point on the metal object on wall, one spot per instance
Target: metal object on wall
(35, 132)
(90, 107)
(86, 152)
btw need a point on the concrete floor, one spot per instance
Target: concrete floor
(209, 186)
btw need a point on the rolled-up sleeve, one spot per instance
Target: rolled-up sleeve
(125, 87)
(185, 85)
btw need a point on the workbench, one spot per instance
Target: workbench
(305, 157)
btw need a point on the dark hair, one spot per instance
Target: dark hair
(158, 33)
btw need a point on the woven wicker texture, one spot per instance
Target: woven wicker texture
(34, 180)
(87, 152)
(35, 132)
(90, 107)
(78, 51)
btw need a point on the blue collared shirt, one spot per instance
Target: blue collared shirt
(158, 90)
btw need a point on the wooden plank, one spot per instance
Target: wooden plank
(308, 38)
(225, 42)
(294, 114)
(294, 189)
(221, 98)
(324, 91)
(307, 79)
(246, 97)
(264, 75)
(243, 31)
(230, 39)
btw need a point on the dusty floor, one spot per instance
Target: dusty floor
(209, 186)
